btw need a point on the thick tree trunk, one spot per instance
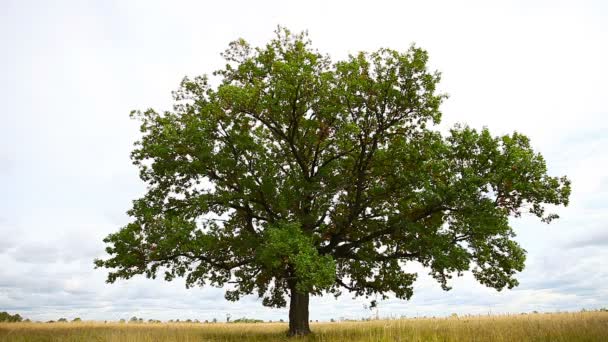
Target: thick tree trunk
(298, 313)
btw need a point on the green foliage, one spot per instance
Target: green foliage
(299, 173)
(285, 246)
(6, 317)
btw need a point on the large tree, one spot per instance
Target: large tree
(294, 176)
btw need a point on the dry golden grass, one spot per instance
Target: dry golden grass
(583, 326)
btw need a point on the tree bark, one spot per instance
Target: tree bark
(298, 313)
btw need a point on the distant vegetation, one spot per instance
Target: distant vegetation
(6, 317)
(247, 320)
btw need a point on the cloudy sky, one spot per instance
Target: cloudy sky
(70, 72)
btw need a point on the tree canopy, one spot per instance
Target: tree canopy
(7, 317)
(293, 174)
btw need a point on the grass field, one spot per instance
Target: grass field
(583, 326)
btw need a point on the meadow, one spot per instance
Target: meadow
(580, 326)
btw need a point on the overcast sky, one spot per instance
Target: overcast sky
(70, 72)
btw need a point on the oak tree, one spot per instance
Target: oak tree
(292, 175)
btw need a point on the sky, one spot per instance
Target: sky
(71, 71)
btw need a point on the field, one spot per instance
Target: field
(582, 326)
